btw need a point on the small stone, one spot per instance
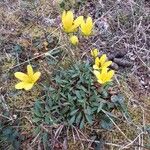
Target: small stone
(111, 56)
(132, 58)
(122, 62)
(114, 66)
(142, 82)
(14, 116)
(118, 54)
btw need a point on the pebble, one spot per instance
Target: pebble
(114, 66)
(118, 54)
(142, 82)
(122, 62)
(132, 58)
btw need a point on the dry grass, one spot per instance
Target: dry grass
(119, 26)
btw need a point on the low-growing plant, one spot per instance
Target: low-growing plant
(10, 137)
(75, 98)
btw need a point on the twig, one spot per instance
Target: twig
(142, 61)
(79, 137)
(126, 146)
(1, 115)
(116, 126)
(35, 138)
(58, 131)
(44, 54)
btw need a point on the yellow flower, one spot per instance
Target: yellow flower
(104, 76)
(94, 52)
(69, 24)
(27, 80)
(101, 62)
(87, 26)
(74, 40)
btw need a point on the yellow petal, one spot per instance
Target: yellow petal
(30, 71)
(94, 52)
(104, 76)
(63, 16)
(83, 26)
(86, 27)
(76, 24)
(83, 23)
(103, 59)
(97, 60)
(110, 74)
(96, 67)
(104, 70)
(86, 31)
(21, 76)
(20, 85)
(74, 40)
(28, 86)
(89, 23)
(24, 85)
(70, 16)
(36, 76)
(107, 64)
(78, 21)
(96, 73)
(100, 81)
(72, 29)
(68, 20)
(98, 76)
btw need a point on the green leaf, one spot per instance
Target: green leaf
(119, 102)
(7, 131)
(100, 107)
(110, 105)
(37, 113)
(106, 123)
(18, 49)
(36, 131)
(84, 89)
(72, 120)
(117, 98)
(44, 138)
(47, 120)
(88, 110)
(78, 94)
(37, 108)
(38, 104)
(147, 129)
(104, 93)
(36, 119)
(74, 112)
(50, 89)
(89, 119)
(78, 118)
(82, 123)
(75, 75)
(69, 97)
